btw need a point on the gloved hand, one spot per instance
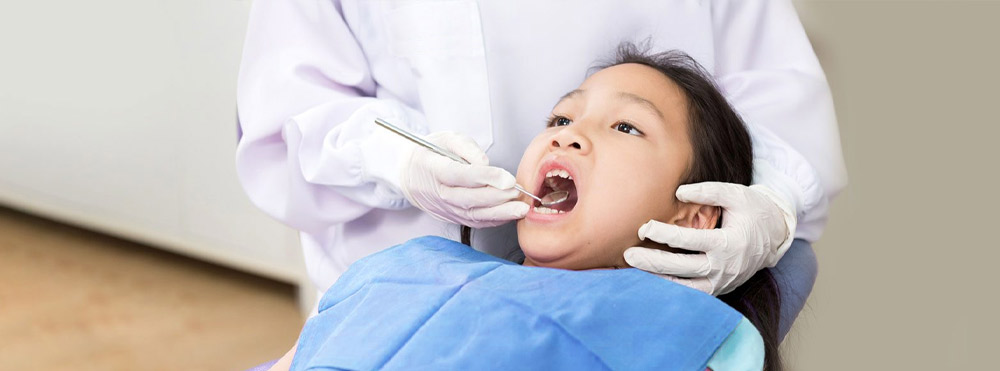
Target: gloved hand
(757, 227)
(476, 195)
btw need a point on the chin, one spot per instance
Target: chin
(562, 258)
(546, 252)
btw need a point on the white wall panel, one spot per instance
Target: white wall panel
(120, 116)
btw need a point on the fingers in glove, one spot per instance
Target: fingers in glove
(454, 174)
(478, 197)
(728, 195)
(662, 262)
(497, 215)
(700, 284)
(682, 237)
(464, 147)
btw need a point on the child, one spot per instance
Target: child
(620, 145)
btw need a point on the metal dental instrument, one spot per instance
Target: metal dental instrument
(549, 199)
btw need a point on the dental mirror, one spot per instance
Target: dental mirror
(549, 199)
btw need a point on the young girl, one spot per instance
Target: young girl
(620, 145)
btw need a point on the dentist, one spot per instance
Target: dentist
(478, 78)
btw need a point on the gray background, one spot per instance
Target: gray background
(907, 262)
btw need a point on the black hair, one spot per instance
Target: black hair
(722, 152)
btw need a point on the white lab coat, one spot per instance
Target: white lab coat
(315, 73)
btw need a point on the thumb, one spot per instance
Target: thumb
(500, 179)
(493, 176)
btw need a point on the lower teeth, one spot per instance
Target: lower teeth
(545, 210)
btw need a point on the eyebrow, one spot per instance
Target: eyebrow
(623, 95)
(570, 95)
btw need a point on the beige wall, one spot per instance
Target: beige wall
(907, 263)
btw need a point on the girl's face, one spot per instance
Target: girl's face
(619, 144)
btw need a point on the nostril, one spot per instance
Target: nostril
(575, 145)
(555, 143)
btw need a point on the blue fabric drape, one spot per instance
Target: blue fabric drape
(433, 303)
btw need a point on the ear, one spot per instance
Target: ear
(697, 216)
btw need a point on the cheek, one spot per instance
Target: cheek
(529, 160)
(631, 194)
(659, 201)
(621, 215)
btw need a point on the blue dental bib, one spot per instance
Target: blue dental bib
(433, 303)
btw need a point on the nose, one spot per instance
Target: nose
(570, 139)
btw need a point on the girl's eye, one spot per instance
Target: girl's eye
(559, 121)
(628, 129)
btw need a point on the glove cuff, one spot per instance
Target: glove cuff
(386, 154)
(382, 151)
(788, 214)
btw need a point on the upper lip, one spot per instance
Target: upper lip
(553, 162)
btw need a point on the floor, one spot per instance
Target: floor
(75, 299)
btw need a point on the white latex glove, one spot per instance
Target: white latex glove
(757, 227)
(476, 195)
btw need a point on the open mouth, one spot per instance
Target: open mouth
(557, 180)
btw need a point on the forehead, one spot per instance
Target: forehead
(641, 81)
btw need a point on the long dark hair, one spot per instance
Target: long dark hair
(722, 152)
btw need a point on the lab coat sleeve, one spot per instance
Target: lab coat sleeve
(310, 154)
(766, 66)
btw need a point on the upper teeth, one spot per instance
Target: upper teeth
(558, 172)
